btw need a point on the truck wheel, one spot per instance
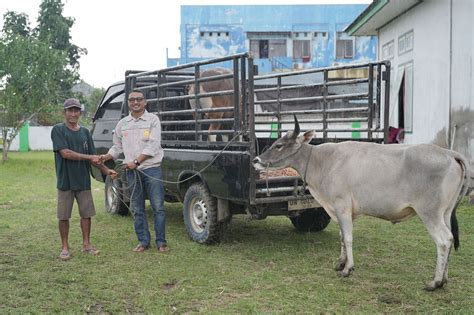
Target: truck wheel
(311, 220)
(114, 197)
(200, 215)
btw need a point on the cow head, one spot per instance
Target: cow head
(280, 153)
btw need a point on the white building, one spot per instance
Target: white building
(429, 44)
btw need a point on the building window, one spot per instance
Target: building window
(405, 43)
(323, 35)
(301, 49)
(344, 46)
(268, 48)
(388, 50)
(224, 35)
(301, 35)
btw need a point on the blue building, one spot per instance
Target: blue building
(280, 37)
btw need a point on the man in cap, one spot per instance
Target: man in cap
(74, 153)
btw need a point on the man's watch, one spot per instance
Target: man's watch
(136, 162)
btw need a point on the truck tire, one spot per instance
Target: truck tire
(114, 197)
(311, 220)
(200, 215)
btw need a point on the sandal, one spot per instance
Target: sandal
(64, 255)
(91, 250)
(163, 249)
(140, 248)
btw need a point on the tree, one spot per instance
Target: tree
(28, 83)
(38, 67)
(54, 29)
(16, 24)
(94, 99)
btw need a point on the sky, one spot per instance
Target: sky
(122, 34)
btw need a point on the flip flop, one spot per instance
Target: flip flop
(91, 251)
(64, 255)
(140, 248)
(163, 249)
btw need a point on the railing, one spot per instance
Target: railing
(186, 126)
(278, 64)
(341, 103)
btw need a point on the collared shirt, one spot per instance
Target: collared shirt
(135, 136)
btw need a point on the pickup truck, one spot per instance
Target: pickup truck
(215, 180)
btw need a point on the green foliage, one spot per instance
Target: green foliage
(29, 82)
(38, 68)
(54, 29)
(15, 24)
(95, 98)
(261, 267)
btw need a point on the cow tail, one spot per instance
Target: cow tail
(455, 229)
(463, 190)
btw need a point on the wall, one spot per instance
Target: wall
(39, 139)
(462, 93)
(233, 23)
(442, 83)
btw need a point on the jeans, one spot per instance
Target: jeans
(142, 185)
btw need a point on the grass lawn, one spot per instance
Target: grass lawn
(260, 267)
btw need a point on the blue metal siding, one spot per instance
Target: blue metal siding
(217, 31)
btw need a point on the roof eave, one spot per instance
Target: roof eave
(366, 15)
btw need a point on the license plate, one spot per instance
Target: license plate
(299, 204)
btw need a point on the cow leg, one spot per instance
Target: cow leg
(345, 224)
(447, 221)
(443, 239)
(341, 262)
(213, 127)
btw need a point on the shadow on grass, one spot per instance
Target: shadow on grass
(242, 229)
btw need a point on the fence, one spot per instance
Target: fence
(34, 138)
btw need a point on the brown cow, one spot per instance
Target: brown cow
(214, 101)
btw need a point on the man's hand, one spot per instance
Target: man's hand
(113, 174)
(105, 157)
(95, 159)
(131, 165)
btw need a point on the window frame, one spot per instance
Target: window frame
(344, 39)
(405, 74)
(299, 44)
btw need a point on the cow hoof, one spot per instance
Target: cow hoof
(345, 273)
(433, 285)
(340, 266)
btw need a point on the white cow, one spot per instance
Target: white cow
(392, 182)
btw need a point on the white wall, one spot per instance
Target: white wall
(39, 139)
(462, 96)
(435, 70)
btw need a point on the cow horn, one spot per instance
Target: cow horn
(296, 132)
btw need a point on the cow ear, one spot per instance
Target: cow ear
(307, 136)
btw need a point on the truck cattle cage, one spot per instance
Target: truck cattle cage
(209, 168)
